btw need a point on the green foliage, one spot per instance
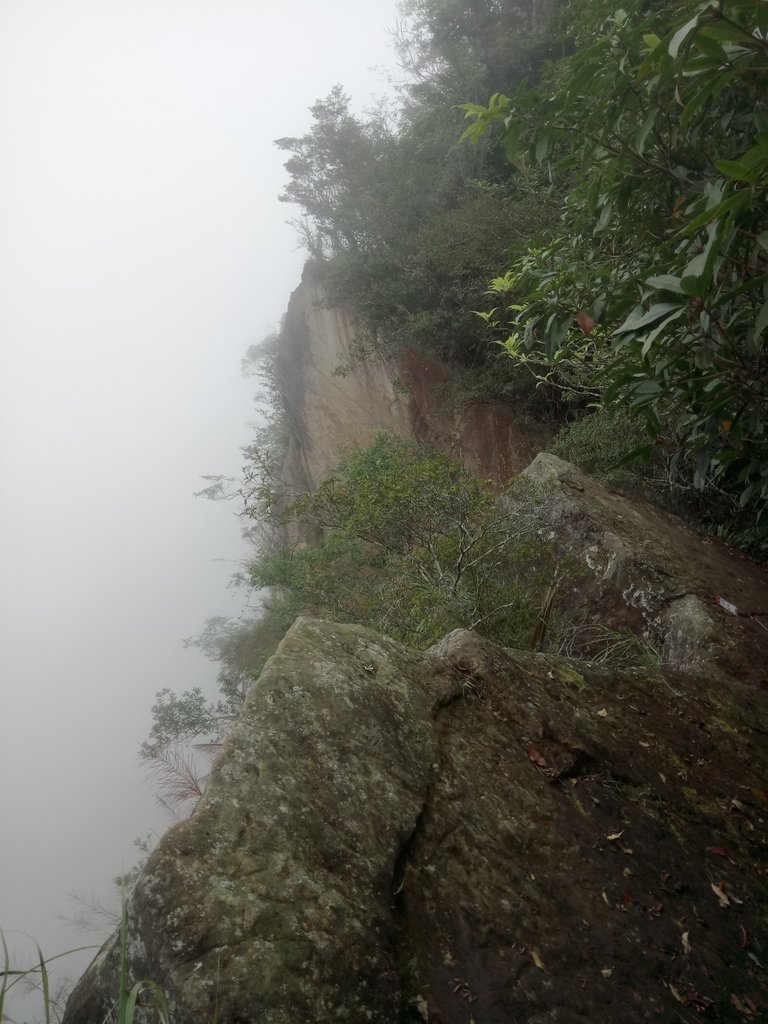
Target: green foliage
(656, 291)
(422, 289)
(335, 170)
(602, 442)
(412, 544)
(409, 222)
(457, 49)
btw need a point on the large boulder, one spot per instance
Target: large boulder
(628, 565)
(468, 835)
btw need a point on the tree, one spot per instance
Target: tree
(656, 289)
(459, 50)
(334, 175)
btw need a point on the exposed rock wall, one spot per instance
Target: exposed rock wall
(466, 835)
(328, 411)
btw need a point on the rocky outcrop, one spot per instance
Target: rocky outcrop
(334, 398)
(628, 565)
(467, 835)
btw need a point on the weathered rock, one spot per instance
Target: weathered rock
(470, 834)
(329, 410)
(633, 566)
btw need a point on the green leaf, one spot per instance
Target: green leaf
(693, 280)
(656, 331)
(644, 129)
(734, 169)
(740, 201)
(681, 35)
(703, 460)
(667, 283)
(640, 317)
(760, 323)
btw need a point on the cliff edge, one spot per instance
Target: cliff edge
(469, 834)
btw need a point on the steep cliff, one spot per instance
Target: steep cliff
(476, 835)
(465, 835)
(334, 399)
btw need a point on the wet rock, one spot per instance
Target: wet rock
(470, 834)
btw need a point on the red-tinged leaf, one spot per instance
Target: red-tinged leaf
(585, 321)
(690, 997)
(759, 794)
(536, 757)
(719, 851)
(656, 909)
(744, 936)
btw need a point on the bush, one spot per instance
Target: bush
(411, 544)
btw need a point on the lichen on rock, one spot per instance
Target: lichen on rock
(470, 833)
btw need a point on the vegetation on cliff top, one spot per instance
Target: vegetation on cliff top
(618, 172)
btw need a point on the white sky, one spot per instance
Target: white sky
(142, 250)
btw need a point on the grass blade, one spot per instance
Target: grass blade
(46, 985)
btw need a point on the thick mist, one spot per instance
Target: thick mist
(142, 250)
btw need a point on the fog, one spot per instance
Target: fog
(142, 250)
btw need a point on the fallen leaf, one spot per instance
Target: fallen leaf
(536, 757)
(690, 997)
(744, 936)
(615, 835)
(606, 900)
(607, 972)
(741, 1006)
(759, 794)
(720, 893)
(537, 959)
(602, 713)
(719, 851)
(675, 993)
(686, 944)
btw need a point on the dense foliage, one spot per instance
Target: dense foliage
(655, 291)
(412, 543)
(408, 222)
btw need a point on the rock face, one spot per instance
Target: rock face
(329, 410)
(470, 834)
(632, 566)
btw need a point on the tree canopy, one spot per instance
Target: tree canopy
(655, 288)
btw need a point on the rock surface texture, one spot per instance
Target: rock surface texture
(467, 835)
(632, 566)
(335, 399)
